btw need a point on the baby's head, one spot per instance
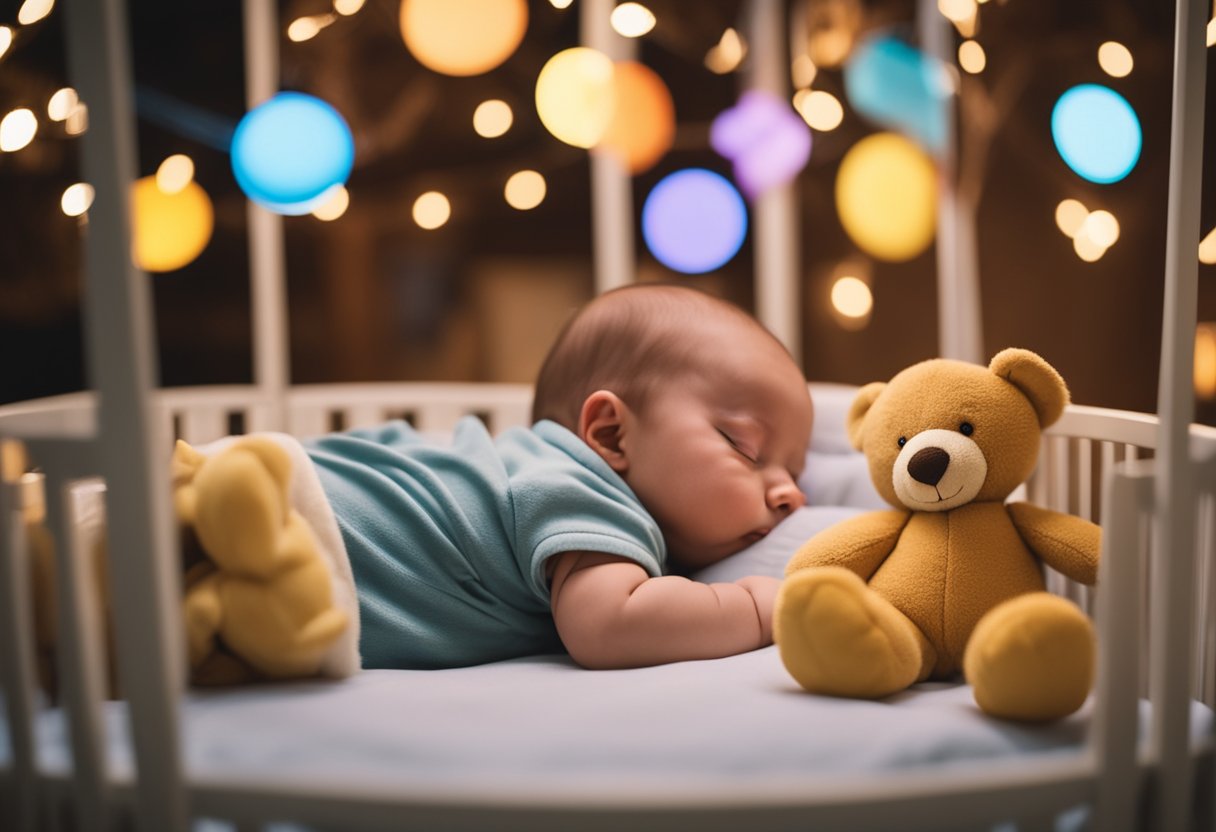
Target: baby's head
(699, 409)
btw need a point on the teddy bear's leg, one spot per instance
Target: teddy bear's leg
(838, 637)
(274, 631)
(202, 613)
(1031, 658)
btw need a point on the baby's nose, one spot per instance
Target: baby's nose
(785, 497)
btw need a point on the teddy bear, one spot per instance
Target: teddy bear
(258, 602)
(951, 578)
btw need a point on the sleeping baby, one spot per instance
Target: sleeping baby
(669, 432)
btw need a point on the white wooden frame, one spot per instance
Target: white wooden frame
(1150, 511)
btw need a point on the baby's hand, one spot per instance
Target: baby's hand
(763, 590)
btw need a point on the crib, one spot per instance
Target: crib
(723, 744)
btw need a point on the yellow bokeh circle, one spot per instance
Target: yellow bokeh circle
(574, 96)
(170, 230)
(886, 196)
(462, 37)
(643, 123)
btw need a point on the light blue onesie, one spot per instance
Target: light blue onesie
(448, 543)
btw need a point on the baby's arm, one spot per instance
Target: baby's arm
(610, 613)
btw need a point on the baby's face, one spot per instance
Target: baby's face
(715, 457)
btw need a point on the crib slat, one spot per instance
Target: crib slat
(1116, 725)
(17, 654)
(203, 424)
(1085, 478)
(79, 646)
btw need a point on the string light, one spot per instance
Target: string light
(348, 7)
(307, 28)
(78, 120)
(17, 129)
(632, 20)
(1207, 249)
(727, 54)
(821, 110)
(803, 71)
(971, 57)
(334, 206)
(76, 199)
(34, 10)
(560, 4)
(851, 297)
(1070, 216)
(62, 104)
(525, 190)
(1101, 227)
(6, 39)
(175, 173)
(1115, 59)
(492, 118)
(432, 210)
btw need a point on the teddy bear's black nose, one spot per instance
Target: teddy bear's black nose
(928, 465)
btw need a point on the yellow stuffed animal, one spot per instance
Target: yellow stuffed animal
(258, 603)
(952, 577)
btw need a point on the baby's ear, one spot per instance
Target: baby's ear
(601, 424)
(866, 397)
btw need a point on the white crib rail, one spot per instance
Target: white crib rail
(1095, 463)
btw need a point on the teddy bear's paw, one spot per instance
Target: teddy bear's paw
(241, 505)
(838, 637)
(1031, 658)
(202, 613)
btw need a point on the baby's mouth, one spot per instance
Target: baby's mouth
(756, 537)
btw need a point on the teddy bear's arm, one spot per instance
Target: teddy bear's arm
(1064, 542)
(860, 543)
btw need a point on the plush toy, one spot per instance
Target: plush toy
(952, 577)
(258, 600)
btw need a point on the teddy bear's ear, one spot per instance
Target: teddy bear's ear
(860, 407)
(1037, 380)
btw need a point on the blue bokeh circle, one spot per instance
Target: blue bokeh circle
(290, 151)
(694, 220)
(1097, 133)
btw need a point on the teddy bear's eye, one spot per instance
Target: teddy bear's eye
(966, 429)
(903, 440)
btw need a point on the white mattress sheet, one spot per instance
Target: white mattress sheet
(545, 723)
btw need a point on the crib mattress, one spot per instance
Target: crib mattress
(544, 726)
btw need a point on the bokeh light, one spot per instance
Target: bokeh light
(803, 71)
(175, 173)
(492, 118)
(1207, 248)
(288, 152)
(1087, 248)
(432, 210)
(971, 57)
(821, 110)
(348, 7)
(525, 190)
(1115, 59)
(643, 123)
(337, 200)
(170, 230)
(6, 39)
(694, 221)
(61, 104)
(764, 138)
(957, 11)
(32, 11)
(899, 88)
(1101, 227)
(17, 129)
(851, 297)
(76, 199)
(632, 20)
(726, 55)
(463, 37)
(1205, 361)
(886, 196)
(560, 4)
(1070, 215)
(78, 120)
(1096, 133)
(307, 28)
(575, 96)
